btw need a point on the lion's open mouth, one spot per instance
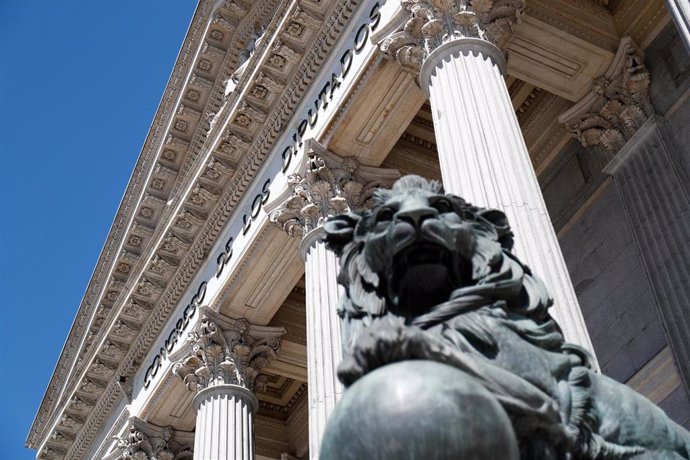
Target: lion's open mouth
(423, 275)
(423, 254)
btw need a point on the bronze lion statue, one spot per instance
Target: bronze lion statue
(429, 277)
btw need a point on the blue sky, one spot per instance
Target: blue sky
(80, 82)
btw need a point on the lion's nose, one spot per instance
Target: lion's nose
(416, 216)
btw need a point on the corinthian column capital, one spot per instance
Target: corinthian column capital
(135, 445)
(327, 186)
(145, 441)
(432, 23)
(616, 107)
(227, 351)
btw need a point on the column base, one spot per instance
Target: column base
(658, 209)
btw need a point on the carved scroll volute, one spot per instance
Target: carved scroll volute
(432, 23)
(227, 353)
(136, 446)
(158, 444)
(405, 49)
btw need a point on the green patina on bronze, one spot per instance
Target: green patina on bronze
(430, 284)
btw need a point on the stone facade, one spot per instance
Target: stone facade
(213, 294)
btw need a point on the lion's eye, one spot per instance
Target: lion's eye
(384, 215)
(442, 206)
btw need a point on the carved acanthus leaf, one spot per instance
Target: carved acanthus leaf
(616, 107)
(136, 446)
(432, 23)
(144, 441)
(330, 185)
(227, 353)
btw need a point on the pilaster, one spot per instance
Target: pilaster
(616, 120)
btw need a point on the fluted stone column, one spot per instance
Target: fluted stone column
(456, 48)
(324, 345)
(617, 121)
(223, 367)
(224, 422)
(680, 12)
(327, 186)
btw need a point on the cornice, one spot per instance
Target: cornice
(187, 246)
(114, 430)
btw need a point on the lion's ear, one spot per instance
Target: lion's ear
(500, 222)
(339, 230)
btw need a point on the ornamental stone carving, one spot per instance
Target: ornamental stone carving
(268, 83)
(228, 351)
(618, 105)
(49, 454)
(136, 445)
(158, 444)
(245, 54)
(432, 23)
(302, 17)
(329, 185)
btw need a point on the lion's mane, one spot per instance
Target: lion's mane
(499, 279)
(499, 294)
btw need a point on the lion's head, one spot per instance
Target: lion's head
(418, 247)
